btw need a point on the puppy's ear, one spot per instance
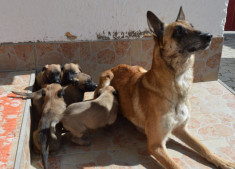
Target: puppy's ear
(115, 93)
(61, 93)
(156, 26)
(99, 93)
(45, 68)
(62, 68)
(80, 69)
(181, 15)
(43, 92)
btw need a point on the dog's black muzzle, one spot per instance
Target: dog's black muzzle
(54, 79)
(90, 86)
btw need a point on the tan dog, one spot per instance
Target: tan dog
(53, 106)
(69, 72)
(157, 101)
(75, 92)
(49, 74)
(93, 114)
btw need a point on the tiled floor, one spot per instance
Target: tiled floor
(11, 113)
(227, 64)
(121, 147)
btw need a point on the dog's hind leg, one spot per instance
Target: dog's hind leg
(78, 132)
(195, 144)
(157, 137)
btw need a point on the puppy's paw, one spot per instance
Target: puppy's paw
(81, 141)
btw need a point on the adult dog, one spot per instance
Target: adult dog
(157, 100)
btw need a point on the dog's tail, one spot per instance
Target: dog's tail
(27, 95)
(44, 136)
(53, 129)
(105, 80)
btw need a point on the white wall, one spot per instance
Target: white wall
(49, 20)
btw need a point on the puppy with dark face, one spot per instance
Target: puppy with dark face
(81, 84)
(49, 74)
(69, 72)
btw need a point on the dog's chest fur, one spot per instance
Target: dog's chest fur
(182, 86)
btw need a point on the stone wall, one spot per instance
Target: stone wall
(96, 56)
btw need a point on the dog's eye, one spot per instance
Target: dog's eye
(43, 93)
(179, 31)
(61, 93)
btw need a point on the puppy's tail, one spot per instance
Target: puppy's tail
(27, 95)
(53, 129)
(105, 80)
(44, 136)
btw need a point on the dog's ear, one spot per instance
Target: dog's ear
(156, 26)
(43, 92)
(80, 69)
(45, 68)
(181, 15)
(115, 93)
(62, 68)
(61, 93)
(99, 93)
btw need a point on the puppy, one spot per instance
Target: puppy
(81, 84)
(53, 106)
(69, 72)
(78, 118)
(49, 74)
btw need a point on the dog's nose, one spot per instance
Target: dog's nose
(57, 80)
(96, 85)
(206, 36)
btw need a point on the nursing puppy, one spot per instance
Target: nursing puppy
(69, 72)
(78, 118)
(49, 74)
(53, 106)
(157, 101)
(75, 92)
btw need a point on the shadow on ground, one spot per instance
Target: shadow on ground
(116, 146)
(227, 72)
(229, 40)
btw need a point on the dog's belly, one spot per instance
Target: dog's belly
(131, 108)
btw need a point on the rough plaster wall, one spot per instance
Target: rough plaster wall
(49, 20)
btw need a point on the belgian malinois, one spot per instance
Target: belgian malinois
(69, 72)
(157, 100)
(53, 105)
(75, 92)
(80, 117)
(49, 74)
